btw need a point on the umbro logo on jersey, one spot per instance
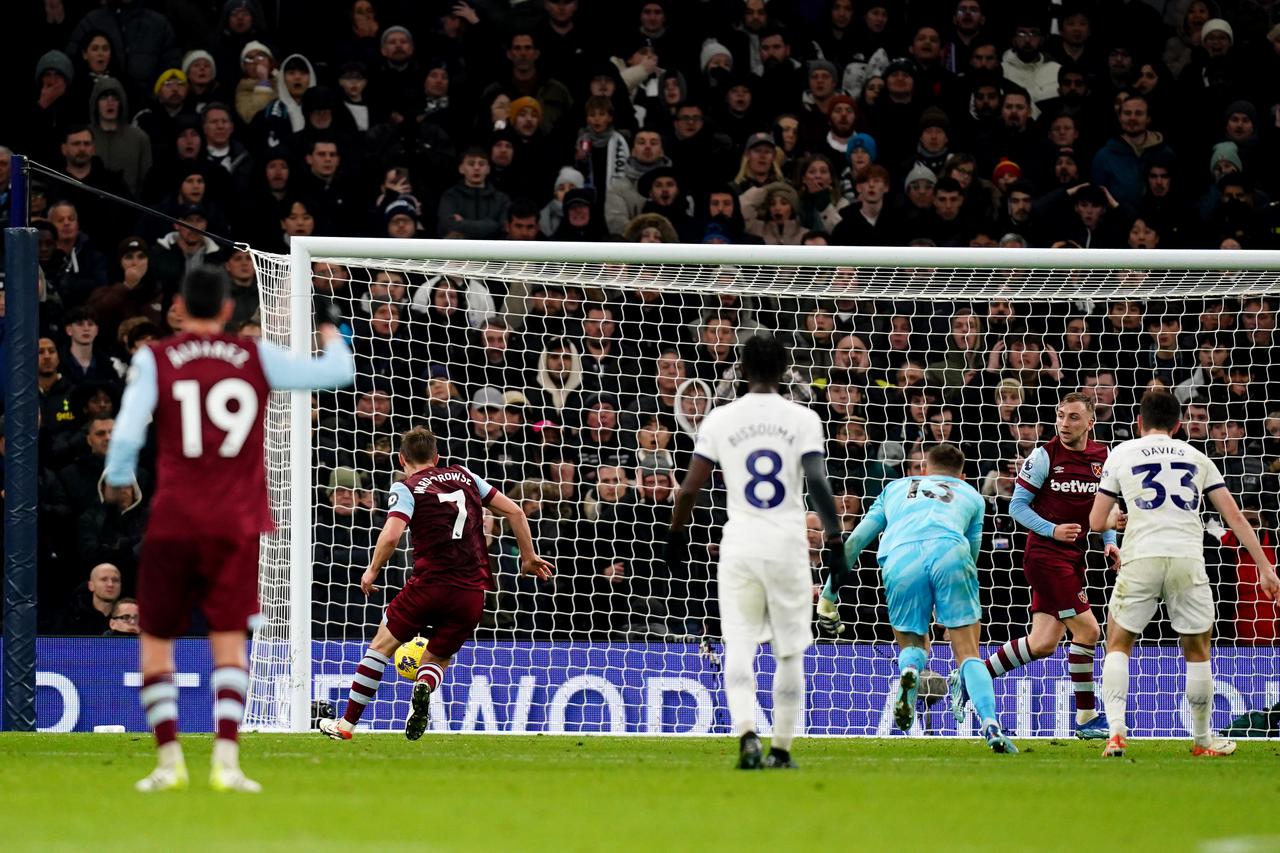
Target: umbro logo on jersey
(1074, 487)
(1058, 469)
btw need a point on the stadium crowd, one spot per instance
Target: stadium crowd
(964, 123)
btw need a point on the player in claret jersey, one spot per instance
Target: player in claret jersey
(1163, 481)
(1052, 498)
(206, 392)
(443, 507)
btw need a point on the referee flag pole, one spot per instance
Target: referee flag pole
(19, 327)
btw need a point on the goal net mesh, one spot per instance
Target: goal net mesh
(577, 389)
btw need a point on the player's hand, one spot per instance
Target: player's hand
(676, 554)
(1269, 583)
(829, 617)
(1066, 532)
(1112, 553)
(537, 567)
(1119, 519)
(366, 582)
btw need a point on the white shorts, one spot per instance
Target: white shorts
(1180, 582)
(765, 601)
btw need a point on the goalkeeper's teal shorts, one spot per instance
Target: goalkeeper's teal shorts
(928, 580)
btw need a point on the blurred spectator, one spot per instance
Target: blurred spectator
(86, 614)
(123, 619)
(123, 148)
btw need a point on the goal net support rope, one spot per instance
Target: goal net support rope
(573, 377)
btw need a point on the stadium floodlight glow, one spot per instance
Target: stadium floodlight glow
(773, 287)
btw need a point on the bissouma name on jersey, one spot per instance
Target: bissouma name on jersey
(186, 351)
(442, 477)
(762, 430)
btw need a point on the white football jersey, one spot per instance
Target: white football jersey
(758, 441)
(1163, 482)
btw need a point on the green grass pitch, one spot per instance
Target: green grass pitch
(477, 793)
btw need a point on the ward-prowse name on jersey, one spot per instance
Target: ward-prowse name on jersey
(231, 352)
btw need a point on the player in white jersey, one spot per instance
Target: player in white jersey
(1162, 480)
(767, 448)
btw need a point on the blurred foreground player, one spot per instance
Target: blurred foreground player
(443, 507)
(206, 391)
(768, 448)
(1163, 481)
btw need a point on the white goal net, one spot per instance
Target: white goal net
(574, 378)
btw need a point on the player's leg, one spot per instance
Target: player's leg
(1189, 603)
(1134, 601)
(1056, 595)
(1046, 633)
(789, 595)
(913, 657)
(455, 613)
(743, 614)
(230, 685)
(229, 601)
(167, 578)
(977, 683)
(910, 599)
(1081, 653)
(159, 697)
(364, 684)
(1115, 685)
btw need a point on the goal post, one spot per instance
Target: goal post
(623, 649)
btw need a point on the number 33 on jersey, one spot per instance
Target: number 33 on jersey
(759, 441)
(1163, 481)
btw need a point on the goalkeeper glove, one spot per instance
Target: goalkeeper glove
(829, 616)
(676, 554)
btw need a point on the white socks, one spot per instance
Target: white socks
(1200, 699)
(1115, 690)
(226, 752)
(169, 755)
(788, 695)
(740, 685)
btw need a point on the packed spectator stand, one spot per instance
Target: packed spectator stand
(968, 123)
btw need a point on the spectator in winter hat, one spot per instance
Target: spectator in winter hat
(759, 163)
(714, 55)
(656, 228)
(581, 222)
(1224, 159)
(1006, 174)
(552, 213)
(861, 151)
(257, 85)
(202, 78)
(402, 218)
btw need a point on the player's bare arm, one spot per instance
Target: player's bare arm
(530, 562)
(1226, 506)
(388, 541)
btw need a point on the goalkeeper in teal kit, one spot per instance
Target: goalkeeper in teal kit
(932, 531)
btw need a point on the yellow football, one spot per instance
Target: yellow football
(409, 658)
